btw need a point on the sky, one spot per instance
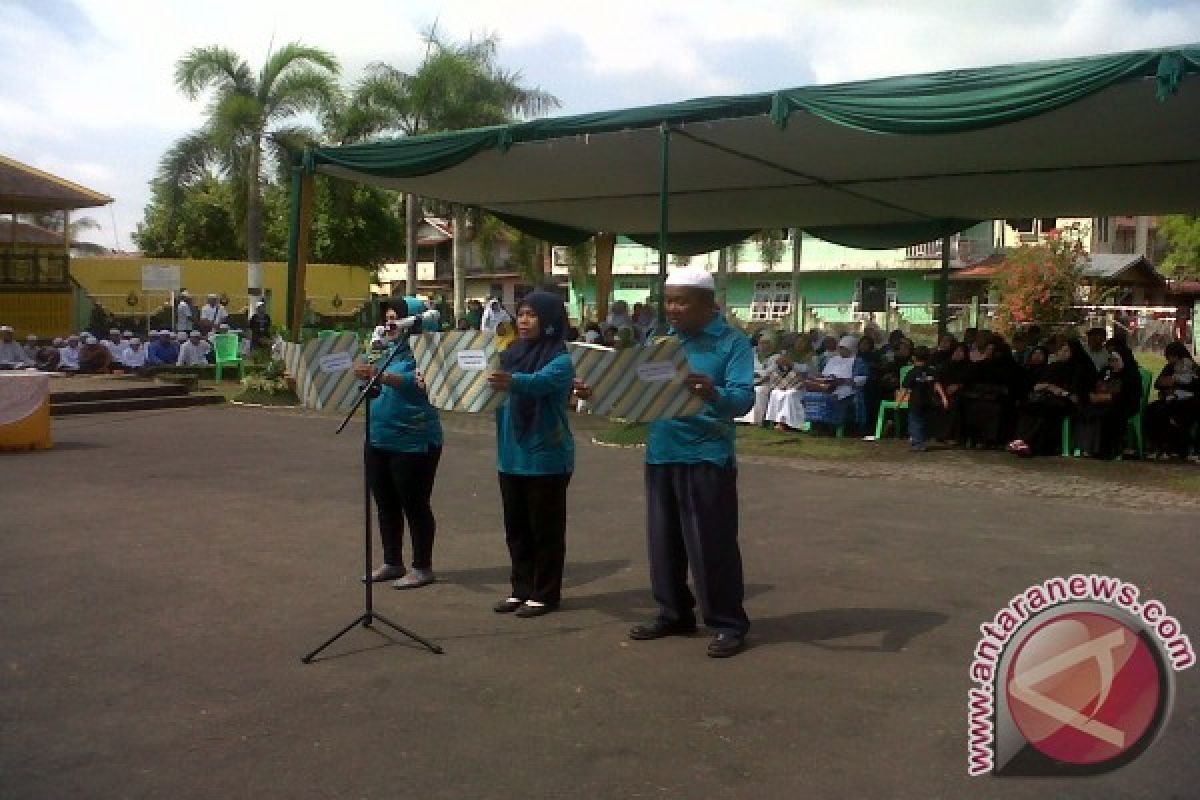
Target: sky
(88, 90)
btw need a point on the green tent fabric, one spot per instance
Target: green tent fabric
(880, 163)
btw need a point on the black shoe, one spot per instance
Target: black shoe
(527, 610)
(658, 629)
(725, 645)
(508, 606)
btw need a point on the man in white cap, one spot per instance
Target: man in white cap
(691, 476)
(163, 350)
(183, 312)
(134, 355)
(213, 312)
(12, 355)
(114, 344)
(194, 352)
(31, 349)
(68, 354)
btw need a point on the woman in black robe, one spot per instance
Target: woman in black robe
(952, 377)
(1169, 420)
(1055, 394)
(1115, 397)
(993, 384)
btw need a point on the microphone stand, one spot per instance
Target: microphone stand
(370, 390)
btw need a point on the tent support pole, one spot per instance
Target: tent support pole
(663, 204)
(605, 248)
(943, 294)
(797, 257)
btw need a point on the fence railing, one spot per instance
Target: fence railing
(34, 270)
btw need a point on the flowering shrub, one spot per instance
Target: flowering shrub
(1038, 284)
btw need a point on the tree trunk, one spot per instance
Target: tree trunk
(254, 226)
(412, 222)
(460, 261)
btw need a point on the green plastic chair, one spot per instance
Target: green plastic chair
(323, 334)
(1133, 429)
(229, 351)
(893, 406)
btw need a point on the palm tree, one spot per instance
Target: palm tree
(249, 125)
(456, 86)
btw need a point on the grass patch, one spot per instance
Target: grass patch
(265, 398)
(1188, 484)
(751, 441)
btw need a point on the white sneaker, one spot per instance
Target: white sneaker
(415, 579)
(387, 572)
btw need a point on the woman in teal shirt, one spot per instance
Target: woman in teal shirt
(536, 453)
(404, 447)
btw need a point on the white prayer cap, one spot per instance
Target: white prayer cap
(127, 334)
(692, 278)
(223, 327)
(849, 342)
(58, 341)
(31, 337)
(91, 340)
(6, 329)
(135, 340)
(259, 304)
(212, 296)
(185, 293)
(182, 336)
(73, 336)
(111, 331)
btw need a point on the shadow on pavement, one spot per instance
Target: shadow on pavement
(899, 626)
(576, 574)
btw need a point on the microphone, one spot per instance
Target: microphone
(426, 320)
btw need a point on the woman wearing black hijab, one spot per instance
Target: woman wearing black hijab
(1055, 394)
(993, 384)
(536, 453)
(1116, 396)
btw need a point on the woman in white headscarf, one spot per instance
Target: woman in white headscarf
(830, 398)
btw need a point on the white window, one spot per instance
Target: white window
(772, 300)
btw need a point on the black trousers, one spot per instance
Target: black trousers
(692, 520)
(535, 528)
(402, 484)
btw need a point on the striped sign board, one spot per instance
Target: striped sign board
(638, 384)
(323, 380)
(449, 386)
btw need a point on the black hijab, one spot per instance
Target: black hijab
(530, 355)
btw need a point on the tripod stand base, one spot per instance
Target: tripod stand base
(365, 621)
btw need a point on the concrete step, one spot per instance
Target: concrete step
(116, 392)
(143, 403)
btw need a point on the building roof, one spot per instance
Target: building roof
(1118, 266)
(28, 235)
(1123, 268)
(24, 189)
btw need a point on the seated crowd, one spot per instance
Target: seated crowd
(980, 392)
(119, 351)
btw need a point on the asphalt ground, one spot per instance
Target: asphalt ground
(164, 572)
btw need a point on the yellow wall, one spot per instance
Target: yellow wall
(46, 314)
(109, 281)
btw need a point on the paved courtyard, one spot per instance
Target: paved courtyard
(163, 572)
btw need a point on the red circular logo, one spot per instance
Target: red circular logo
(1084, 688)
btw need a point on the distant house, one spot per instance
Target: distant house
(1112, 279)
(36, 292)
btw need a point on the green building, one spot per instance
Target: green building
(829, 283)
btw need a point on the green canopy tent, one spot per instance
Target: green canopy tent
(879, 163)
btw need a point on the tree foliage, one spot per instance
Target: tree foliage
(1182, 234)
(1039, 284)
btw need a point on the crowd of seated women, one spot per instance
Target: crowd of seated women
(989, 393)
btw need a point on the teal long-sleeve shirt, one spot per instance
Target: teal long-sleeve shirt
(549, 449)
(402, 420)
(724, 354)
